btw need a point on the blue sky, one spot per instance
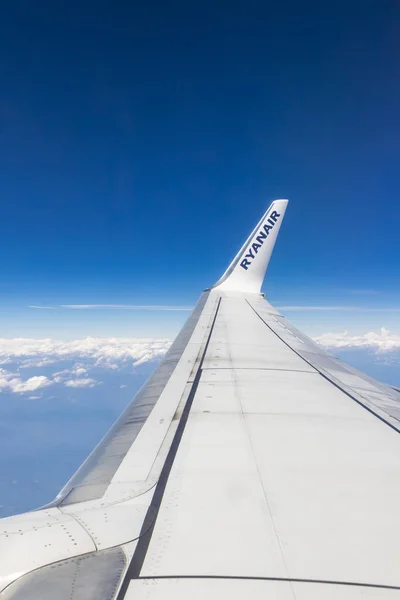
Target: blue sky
(139, 145)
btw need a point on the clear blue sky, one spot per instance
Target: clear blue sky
(139, 143)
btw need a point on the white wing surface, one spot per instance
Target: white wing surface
(250, 465)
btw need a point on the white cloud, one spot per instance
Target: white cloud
(34, 397)
(146, 357)
(104, 351)
(42, 307)
(13, 383)
(382, 341)
(30, 385)
(80, 383)
(77, 370)
(110, 353)
(36, 362)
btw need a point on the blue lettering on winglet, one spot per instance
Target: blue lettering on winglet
(259, 240)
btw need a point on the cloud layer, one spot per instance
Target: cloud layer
(12, 382)
(80, 383)
(382, 341)
(102, 350)
(86, 354)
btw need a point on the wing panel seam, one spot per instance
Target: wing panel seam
(326, 376)
(139, 555)
(283, 579)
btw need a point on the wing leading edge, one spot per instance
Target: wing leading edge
(250, 463)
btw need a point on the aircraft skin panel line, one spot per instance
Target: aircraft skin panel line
(251, 463)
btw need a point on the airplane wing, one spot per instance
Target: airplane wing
(251, 464)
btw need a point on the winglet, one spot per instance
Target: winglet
(247, 270)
